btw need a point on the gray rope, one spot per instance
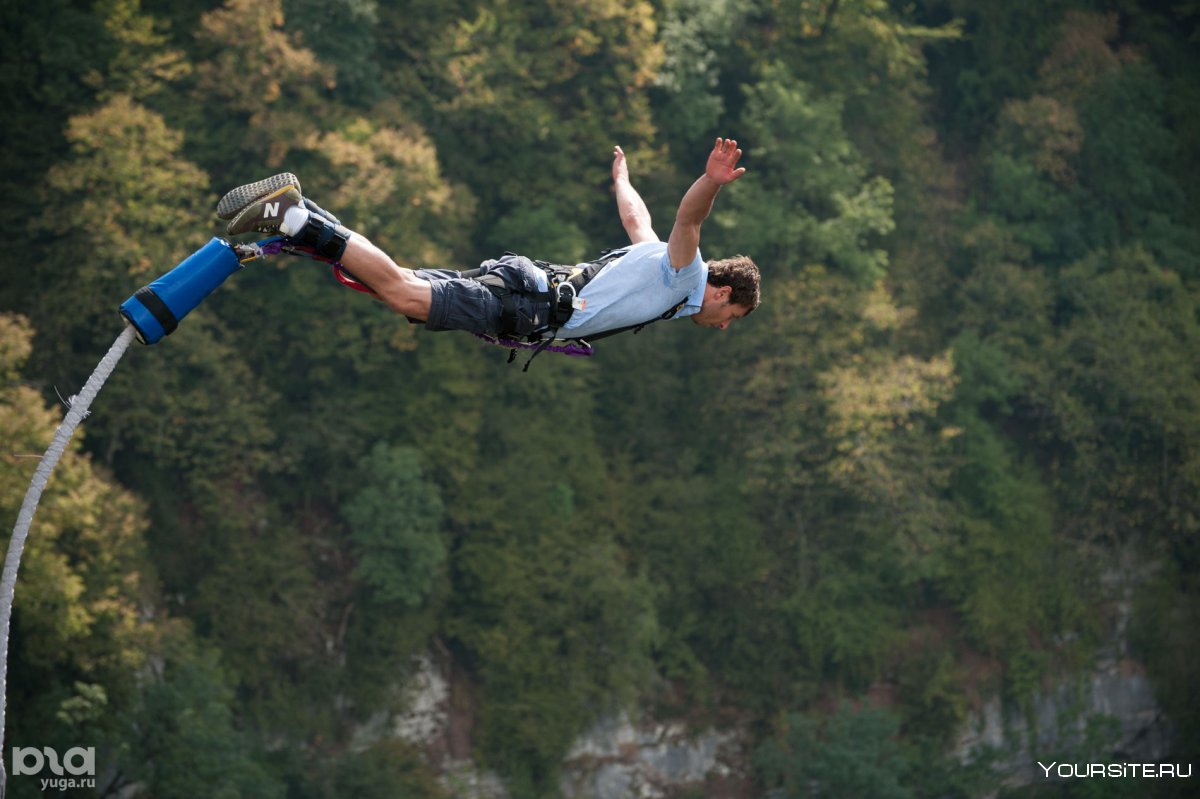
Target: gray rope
(12, 562)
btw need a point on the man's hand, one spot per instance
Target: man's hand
(696, 204)
(722, 165)
(620, 169)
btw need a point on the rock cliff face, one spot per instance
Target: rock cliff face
(1108, 715)
(1116, 690)
(616, 759)
(651, 759)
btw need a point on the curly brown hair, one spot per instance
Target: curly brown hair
(741, 275)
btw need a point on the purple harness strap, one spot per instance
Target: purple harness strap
(568, 347)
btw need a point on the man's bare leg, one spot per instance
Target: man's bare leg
(400, 288)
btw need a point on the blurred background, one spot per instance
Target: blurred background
(924, 520)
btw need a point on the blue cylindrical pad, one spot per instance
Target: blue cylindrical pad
(155, 310)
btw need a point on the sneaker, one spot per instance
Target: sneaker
(265, 215)
(236, 201)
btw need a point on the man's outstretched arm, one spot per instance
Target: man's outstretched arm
(696, 204)
(635, 217)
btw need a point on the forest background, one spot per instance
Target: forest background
(961, 433)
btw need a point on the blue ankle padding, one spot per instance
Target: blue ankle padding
(155, 310)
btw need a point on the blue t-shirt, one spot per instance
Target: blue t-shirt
(637, 287)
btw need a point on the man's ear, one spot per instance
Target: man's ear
(723, 293)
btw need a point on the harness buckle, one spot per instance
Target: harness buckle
(574, 300)
(566, 301)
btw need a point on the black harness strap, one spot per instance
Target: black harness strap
(536, 352)
(667, 314)
(567, 282)
(508, 306)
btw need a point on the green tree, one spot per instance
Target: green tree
(851, 753)
(343, 35)
(384, 770)
(1125, 395)
(257, 90)
(545, 84)
(394, 521)
(697, 39)
(116, 214)
(995, 61)
(181, 740)
(559, 631)
(813, 199)
(554, 620)
(141, 63)
(1084, 163)
(45, 78)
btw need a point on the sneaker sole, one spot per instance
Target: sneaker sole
(245, 223)
(240, 198)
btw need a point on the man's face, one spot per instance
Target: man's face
(716, 310)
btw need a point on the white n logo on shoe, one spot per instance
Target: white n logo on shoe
(270, 210)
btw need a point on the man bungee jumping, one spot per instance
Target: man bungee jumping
(514, 298)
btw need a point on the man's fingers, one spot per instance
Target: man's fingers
(727, 149)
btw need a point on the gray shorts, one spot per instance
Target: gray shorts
(466, 304)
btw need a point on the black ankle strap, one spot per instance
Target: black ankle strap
(327, 239)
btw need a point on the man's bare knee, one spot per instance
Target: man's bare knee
(409, 295)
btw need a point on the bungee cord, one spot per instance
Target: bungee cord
(16, 546)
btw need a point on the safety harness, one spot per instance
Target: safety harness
(565, 287)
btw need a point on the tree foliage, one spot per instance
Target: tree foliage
(394, 518)
(971, 388)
